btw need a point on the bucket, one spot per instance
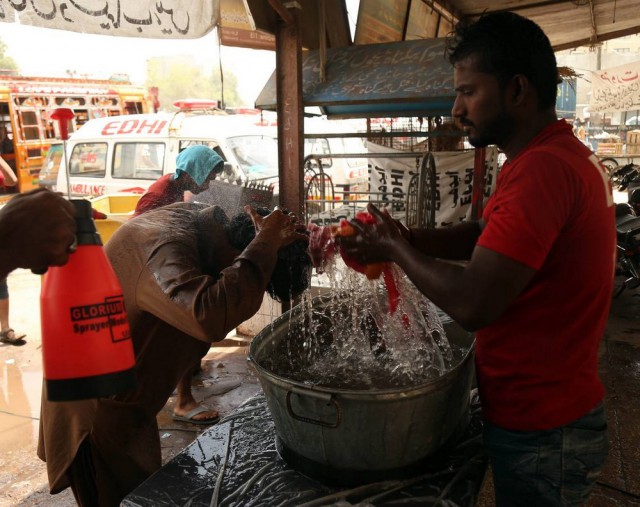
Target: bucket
(349, 433)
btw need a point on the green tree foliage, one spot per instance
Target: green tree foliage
(6, 62)
(180, 78)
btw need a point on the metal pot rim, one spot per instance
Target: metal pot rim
(391, 393)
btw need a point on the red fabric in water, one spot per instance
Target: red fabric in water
(372, 271)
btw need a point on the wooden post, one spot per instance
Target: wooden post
(477, 195)
(290, 112)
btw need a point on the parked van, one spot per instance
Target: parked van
(128, 153)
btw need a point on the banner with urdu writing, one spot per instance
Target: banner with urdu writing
(616, 89)
(389, 180)
(168, 19)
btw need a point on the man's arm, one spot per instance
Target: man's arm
(474, 295)
(453, 243)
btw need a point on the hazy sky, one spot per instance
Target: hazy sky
(48, 52)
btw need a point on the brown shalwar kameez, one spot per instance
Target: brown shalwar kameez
(175, 311)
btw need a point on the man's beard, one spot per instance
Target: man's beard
(494, 132)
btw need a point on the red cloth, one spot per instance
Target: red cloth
(551, 210)
(372, 271)
(322, 248)
(162, 192)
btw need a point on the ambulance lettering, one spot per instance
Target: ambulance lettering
(84, 189)
(133, 127)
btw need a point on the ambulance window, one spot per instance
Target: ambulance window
(211, 144)
(138, 160)
(88, 159)
(318, 146)
(257, 155)
(354, 145)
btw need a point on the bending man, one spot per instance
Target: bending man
(189, 276)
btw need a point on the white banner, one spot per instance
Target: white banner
(166, 19)
(390, 177)
(616, 89)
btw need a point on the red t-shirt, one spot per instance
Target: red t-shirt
(162, 192)
(553, 211)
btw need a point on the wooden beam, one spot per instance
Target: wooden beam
(322, 42)
(282, 11)
(290, 113)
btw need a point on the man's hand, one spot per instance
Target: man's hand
(373, 243)
(37, 229)
(277, 227)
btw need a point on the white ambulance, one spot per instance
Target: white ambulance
(128, 153)
(342, 158)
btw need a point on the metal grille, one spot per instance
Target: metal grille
(416, 134)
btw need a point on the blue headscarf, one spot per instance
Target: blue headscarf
(198, 161)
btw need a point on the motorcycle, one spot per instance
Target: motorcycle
(628, 246)
(627, 178)
(623, 175)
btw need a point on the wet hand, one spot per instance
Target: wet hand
(278, 227)
(37, 229)
(372, 242)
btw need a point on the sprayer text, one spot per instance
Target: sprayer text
(112, 306)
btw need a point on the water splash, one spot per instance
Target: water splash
(353, 341)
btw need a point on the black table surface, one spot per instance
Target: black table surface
(237, 463)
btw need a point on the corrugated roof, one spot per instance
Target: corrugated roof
(568, 23)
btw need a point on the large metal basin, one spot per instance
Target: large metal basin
(367, 430)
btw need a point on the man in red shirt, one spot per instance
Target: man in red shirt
(538, 279)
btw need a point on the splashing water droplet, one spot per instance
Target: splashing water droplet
(354, 342)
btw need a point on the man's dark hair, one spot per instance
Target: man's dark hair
(505, 44)
(292, 273)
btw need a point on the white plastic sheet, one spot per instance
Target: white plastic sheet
(454, 178)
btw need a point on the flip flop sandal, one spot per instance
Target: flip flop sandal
(188, 417)
(11, 338)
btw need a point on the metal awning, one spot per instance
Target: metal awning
(411, 78)
(567, 23)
